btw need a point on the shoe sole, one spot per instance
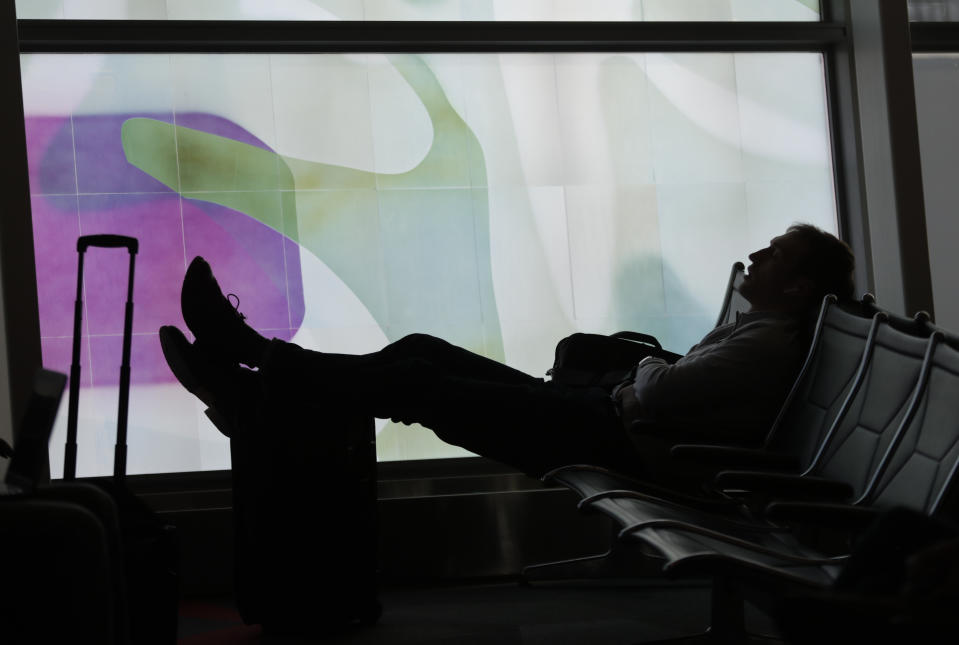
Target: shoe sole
(173, 344)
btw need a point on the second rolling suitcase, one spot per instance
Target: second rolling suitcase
(304, 501)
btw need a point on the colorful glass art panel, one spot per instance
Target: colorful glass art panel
(501, 202)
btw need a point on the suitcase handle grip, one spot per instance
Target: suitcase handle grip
(107, 241)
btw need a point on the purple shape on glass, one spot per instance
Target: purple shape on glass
(156, 289)
(246, 261)
(56, 227)
(58, 353)
(51, 173)
(147, 364)
(262, 264)
(101, 163)
(212, 124)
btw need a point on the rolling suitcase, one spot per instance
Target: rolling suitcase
(304, 502)
(62, 542)
(149, 548)
(56, 585)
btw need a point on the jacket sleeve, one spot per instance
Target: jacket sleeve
(735, 371)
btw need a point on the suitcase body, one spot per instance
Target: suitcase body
(149, 548)
(60, 577)
(304, 502)
(61, 542)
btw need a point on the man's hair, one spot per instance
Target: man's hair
(828, 262)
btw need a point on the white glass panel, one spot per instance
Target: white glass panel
(499, 201)
(934, 10)
(466, 10)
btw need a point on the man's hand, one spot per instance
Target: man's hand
(629, 406)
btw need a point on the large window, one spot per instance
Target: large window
(500, 201)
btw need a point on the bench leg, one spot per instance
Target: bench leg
(727, 622)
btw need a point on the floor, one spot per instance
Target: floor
(497, 614)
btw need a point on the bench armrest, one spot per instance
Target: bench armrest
(778, 485)
(734, 457)
(840, 516)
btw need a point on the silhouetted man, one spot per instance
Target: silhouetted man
(733, 382)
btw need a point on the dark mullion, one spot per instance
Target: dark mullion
(844, 140)
(934, 36)
(17, 261)
(346, 36)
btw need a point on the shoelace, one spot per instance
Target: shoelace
(236, 307)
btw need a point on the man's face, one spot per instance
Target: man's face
(772, 276)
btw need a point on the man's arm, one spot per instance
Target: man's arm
(752, 365)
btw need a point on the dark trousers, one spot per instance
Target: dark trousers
(468, 400)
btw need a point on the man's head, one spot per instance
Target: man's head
(797, 269)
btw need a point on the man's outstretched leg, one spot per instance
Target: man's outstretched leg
(221, 330)
(466, 399)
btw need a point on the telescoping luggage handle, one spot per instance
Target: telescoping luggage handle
(120, 451)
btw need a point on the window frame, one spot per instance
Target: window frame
(235, 36)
